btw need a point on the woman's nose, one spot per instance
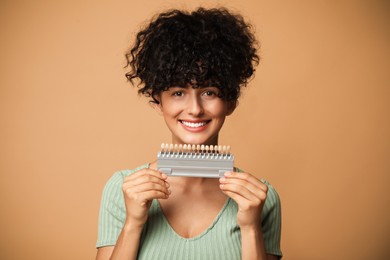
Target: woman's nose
(195, 107)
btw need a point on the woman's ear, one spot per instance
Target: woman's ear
(231, 107)
(157, 105)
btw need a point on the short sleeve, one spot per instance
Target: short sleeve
(112, 213)
(271, 222)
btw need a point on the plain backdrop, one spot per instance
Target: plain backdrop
(314, 121)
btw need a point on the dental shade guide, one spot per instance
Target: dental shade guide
(188, 160)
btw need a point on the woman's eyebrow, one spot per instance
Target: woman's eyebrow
(209, 87)
(190, 86)
(178, 86)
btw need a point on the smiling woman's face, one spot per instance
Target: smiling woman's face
(194, 115)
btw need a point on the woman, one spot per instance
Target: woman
(192, 66)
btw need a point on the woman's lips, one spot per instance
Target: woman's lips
(194, 126)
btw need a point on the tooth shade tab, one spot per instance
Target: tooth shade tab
(216, 150)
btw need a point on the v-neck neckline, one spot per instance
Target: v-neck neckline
(203, 233)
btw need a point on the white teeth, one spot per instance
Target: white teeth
(190, 124)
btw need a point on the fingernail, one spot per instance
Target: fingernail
(228, 173)
(222, 179)
(164, 175)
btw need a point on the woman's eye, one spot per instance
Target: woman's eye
(177, 93)
(210, 93)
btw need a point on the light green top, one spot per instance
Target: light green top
(221, 240)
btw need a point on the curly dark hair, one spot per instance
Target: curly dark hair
(207, 47)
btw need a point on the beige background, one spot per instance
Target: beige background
(314, 121)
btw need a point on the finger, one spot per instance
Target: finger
(153, 194)
(144, 178)
(238, 189)
(243, 183)
(147, 171)
(241, 191)
(145, 196)
(146, 192)
(150, 186)
(241, 201)
(247, 177)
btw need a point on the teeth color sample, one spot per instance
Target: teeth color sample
(192, 148)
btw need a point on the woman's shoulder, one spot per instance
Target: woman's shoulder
(272, 194)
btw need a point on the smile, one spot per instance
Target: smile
(194, 124)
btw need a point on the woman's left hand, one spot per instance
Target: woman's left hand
(249, 193)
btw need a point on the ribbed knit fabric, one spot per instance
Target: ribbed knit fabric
(221, 240)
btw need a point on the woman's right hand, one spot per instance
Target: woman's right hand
(139, 189)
